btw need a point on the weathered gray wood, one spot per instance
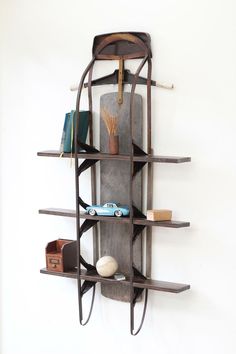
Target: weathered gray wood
(114, 183)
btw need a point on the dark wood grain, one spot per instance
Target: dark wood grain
(138, 283)
(59, 212)
(125, 45)
(104, 156)
(137, 221)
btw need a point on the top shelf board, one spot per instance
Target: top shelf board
(104, 156)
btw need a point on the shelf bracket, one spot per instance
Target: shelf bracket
(137, 167)
(87, 224)
(85, 165)
(87, 285)
(86, 147)
(137, 230)
(137, 293)
(137, 213)
(138, 151)
(82, 203)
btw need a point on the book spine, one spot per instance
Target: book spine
(67, 143)
(64, 133)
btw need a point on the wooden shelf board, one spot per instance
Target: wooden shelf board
(58, 212)
(138, 283)
(137, 221)
(103, 156)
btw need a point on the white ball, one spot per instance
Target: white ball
(106, 266)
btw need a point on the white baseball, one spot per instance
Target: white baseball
(106, 266)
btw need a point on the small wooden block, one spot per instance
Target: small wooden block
(159, 215)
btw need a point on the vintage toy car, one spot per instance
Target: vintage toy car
(108, 209)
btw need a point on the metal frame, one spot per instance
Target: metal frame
(144, 53)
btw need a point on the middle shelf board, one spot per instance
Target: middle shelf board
(137, 221)
(138, 283)
(104, 156)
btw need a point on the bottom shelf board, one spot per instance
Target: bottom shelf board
(138, 283)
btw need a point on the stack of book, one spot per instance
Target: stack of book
(67, 139)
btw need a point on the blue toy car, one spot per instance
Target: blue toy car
(108, 209)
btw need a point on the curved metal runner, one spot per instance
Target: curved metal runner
(99, 53)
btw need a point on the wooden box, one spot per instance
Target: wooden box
(61, 255)
(159, 215)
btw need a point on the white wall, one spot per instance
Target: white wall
(45, 45)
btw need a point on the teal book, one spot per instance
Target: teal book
(67, 140)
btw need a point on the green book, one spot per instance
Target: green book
(67, 140)
(65, 129)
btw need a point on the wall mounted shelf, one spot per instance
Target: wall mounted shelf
(120, 179)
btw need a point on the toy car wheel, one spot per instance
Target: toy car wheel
(118, 213)
(92, 212)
